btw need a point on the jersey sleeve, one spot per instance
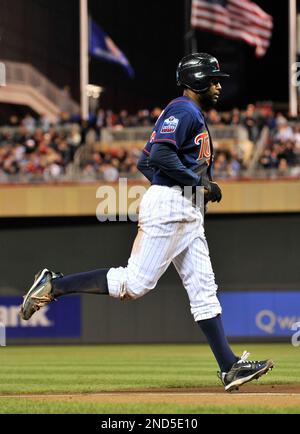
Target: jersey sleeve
(175, 127)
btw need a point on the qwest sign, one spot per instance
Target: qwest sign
(260, 313)
(61, 319)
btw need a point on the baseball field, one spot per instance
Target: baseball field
(131, 379)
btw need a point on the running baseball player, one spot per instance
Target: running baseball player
(171, 225)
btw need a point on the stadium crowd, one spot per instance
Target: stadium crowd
(281, 155)
(32, 149)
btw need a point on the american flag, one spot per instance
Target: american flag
(237, 19)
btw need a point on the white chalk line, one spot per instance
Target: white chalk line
(144, 395)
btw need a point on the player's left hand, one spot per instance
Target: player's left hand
(213, 193)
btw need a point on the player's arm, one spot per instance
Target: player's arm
(170, 137)
(164, 156)
(174, 127)
(144, 166)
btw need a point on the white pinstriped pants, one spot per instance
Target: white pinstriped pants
(170, 230)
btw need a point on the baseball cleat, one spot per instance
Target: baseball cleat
(39, 294)
(244, 371)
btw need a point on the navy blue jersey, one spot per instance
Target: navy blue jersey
(182, 126)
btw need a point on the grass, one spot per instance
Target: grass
(15, 406)
(91, 369)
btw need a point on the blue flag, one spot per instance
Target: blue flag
(103, 47)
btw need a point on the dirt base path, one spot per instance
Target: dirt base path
(271, 396)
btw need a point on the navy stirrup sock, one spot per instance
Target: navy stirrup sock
(215, 335)
(92, 282)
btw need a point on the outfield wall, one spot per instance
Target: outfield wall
(83, 199)
(249, 253)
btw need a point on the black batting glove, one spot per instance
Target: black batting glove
(214, 193)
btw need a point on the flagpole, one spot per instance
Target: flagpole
(190, 43)
(84, 58)
(293, 106)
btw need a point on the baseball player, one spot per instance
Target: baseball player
(170, 222)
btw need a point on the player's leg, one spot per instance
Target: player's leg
(195, 269)
(158, 241)
(91, 282)
(49, 286)
(161, 237)
(151, 255)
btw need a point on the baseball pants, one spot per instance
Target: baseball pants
(170, 230)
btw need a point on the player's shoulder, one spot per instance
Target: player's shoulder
(186, 106)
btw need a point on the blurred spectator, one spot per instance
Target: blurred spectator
(221, 168)
(44, 123)
(282, 150)
(249, 120)
(36, 149)
(213, 117)
(226, 118)
(283, 131)
(283, 167)
(287, 153)
(297, 137)
(29, 123)
(109, 172)
(235, 117)
(144, 119)
(13, 121)
(111, 119)
(268, 160)
(100, 122)
(235, 165)
(123, 119)
(64, 118)
(156, 112)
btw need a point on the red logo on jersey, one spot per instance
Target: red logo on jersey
(152, 138)
(203, 141)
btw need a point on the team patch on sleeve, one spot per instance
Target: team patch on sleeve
(169, 125)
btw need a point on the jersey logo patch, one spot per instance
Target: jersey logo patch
(170, 125)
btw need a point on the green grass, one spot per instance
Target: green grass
(86, 369)
(15, 406)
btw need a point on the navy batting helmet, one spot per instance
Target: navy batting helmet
(196, 70)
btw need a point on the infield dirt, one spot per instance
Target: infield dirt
(279, 396)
